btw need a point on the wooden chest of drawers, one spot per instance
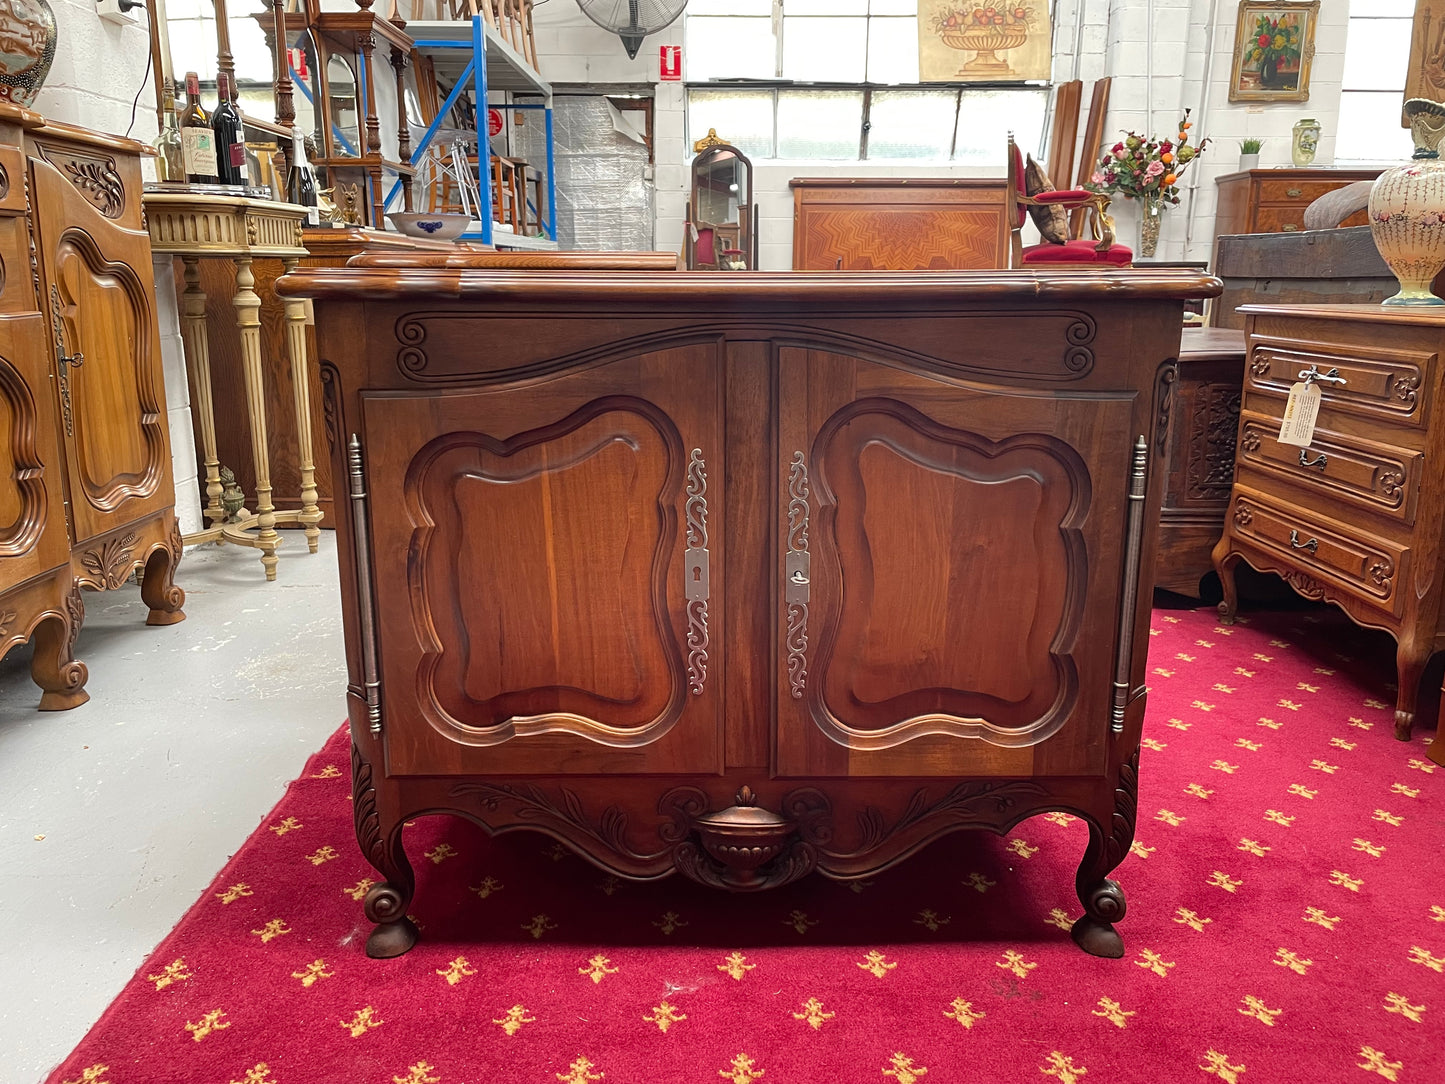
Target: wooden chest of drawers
(1274, 200)
(1356, 518)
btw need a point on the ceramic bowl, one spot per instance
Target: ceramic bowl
(439, 227)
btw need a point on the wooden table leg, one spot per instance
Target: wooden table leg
(305, 454)
(248, 319)
(198, 353)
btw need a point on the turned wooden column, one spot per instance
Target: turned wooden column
(296, 346)
(198, 350)
(248, 320)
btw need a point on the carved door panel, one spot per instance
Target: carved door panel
(555, 568)
(98, 288)
(940, 546)
(32, 489)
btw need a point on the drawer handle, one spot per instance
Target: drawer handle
(1320, 460)
(1293, 193)
(1312, 545)
(1331, 377)
(1288, 227)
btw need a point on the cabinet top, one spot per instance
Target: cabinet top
(759, 290)
(1302, 173)
(1426, 315)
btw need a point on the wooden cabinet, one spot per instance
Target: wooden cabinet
(1274, 200)
(1356, 518)
(746, 576)
(898, 224)
(86, 486)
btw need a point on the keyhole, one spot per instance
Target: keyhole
(697, 574)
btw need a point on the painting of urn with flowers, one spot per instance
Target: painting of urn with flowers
(962, 41)
(1273, 47)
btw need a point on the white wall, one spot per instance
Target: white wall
(1093, 38)
(99, 68)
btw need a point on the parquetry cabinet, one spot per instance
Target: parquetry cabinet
(1358, 517)
(86, 491)
(746, 576)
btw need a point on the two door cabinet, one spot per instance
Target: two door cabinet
(86, 490)
(746, 576)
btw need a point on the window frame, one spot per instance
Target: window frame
(1346, 91)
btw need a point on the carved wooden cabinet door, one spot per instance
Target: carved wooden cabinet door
(32, 515)
(939, 546)
(98, 301)
(555, 564)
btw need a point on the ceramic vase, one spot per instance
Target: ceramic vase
(1305, 141)
(1248, 161)
(27, 49)
(1407, 211)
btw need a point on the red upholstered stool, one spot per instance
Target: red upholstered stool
(1077, 253)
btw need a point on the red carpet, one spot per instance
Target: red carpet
(1286, 923)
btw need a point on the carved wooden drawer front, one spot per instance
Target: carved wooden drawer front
(1301, 192)
(1377, 383)
(1324, 549)
(1375, 477)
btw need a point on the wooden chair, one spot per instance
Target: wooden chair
(1093, 144)
(1102, 252)
(1065, 128)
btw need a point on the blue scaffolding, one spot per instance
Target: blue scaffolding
(484, 62)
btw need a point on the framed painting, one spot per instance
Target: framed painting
(974, 41)
(1273, 47)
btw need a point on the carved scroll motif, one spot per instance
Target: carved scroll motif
(1210, 470)
(797, 636)
(697, 588)
(1168, 378)
(111, 562)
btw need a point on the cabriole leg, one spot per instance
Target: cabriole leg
(52, 665)
(380, 839)
(1225, 567)
(1410, 661)
(158, 589)
(1102, 898)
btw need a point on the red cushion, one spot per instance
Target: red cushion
(1078, 252)
(1072, 195)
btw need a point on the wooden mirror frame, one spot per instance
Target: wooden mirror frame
(708, 150)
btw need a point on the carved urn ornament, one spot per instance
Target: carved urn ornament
(1407, 209)
(744, 836)
(27, 29)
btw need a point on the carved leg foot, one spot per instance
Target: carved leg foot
(1410, 662)
(53, 666)
(379, 830)
(1229, 605)
(158, 589)
(1094, 932)
(395, 933)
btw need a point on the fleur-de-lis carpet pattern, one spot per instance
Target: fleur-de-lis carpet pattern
(1286, 923)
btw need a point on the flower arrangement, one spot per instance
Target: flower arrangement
(1276, 44)
(1147, 169)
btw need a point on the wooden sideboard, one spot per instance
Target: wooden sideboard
(746, 576)
(86, 489)
(1358, 517)
(898, 224)
(1199, 448)
(1274, 200)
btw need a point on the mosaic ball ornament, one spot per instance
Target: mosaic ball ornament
(27, 49)
(1407, 209)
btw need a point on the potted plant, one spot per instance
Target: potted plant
(1249, 153)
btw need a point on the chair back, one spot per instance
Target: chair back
(1015, 214)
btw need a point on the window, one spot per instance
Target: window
(864, 101)
(1373, 90)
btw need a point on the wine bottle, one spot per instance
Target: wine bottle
(198, 142)
(229, 135)
(301, 182)
(170, 162)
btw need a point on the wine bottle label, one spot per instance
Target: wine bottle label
(238, 155)
(198, 145)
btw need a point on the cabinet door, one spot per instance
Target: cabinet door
(32, 490)
(546, 558)
(99, 302)
(949, 573)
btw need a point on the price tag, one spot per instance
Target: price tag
(198, 148)
(1300, 411)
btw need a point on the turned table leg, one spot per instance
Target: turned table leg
(198, 353)
(296, 345)
(248, 306)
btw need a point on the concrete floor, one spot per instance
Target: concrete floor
(141, 795)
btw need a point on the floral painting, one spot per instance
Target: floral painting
(971, 41)
(1273, 47)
